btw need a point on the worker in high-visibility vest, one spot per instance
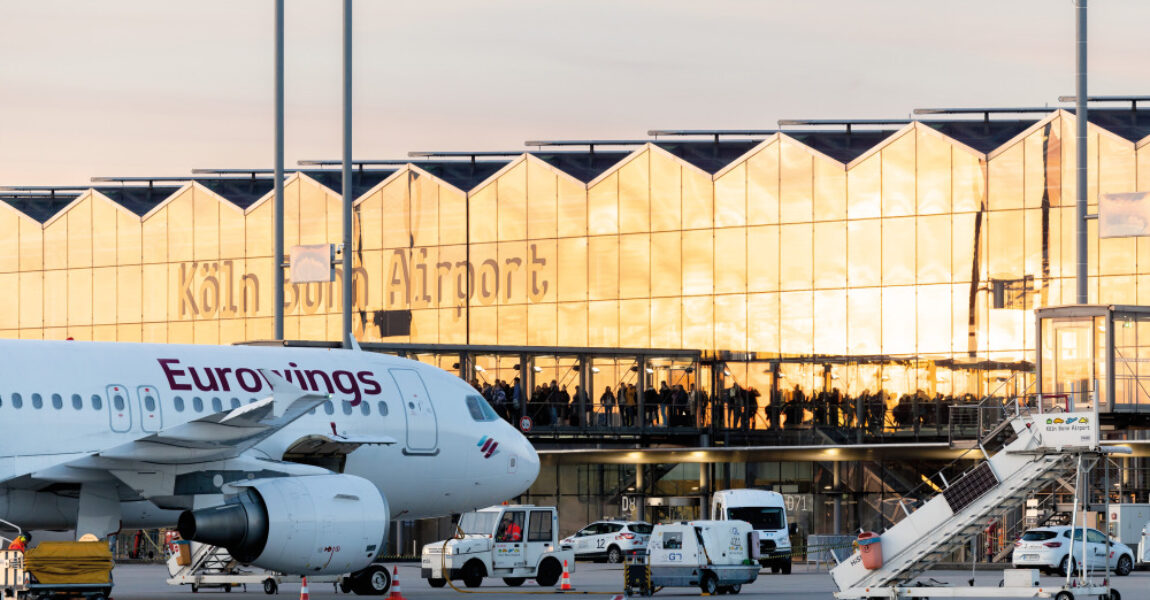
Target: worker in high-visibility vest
(20, 543)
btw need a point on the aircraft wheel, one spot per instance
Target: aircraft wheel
(437, 582)
(270, 586)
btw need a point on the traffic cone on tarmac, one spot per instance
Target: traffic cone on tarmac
(565, 580)
(303, 595)
(396, 594)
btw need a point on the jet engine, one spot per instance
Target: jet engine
(316, 524)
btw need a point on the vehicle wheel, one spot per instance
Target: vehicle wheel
(195, 588)
(345, 585)
(722, 590)
(473, 573)
(1066, 567)
(514, 581)
(775, 569)
(270, 586)
(709, 584)
(736, 588)
(549, 572)
(1114, 595)
(227, 588)
(436, 582)
(372, 581)
(614, 555)
(787, 567)
(1064, 595)
(1125, 565)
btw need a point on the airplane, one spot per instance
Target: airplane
(293, 459)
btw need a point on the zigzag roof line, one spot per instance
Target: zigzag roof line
(984, 138)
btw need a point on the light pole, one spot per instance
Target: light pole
(278, 204)
(347, 197)
(1080, 109)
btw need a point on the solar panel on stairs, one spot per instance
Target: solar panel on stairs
(970, 487)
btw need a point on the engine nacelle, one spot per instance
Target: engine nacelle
(304, 525)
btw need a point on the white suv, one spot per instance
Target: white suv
(608, 540)
(1048, 548)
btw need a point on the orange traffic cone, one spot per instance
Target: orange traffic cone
(565, 580)
(396, 594)
(303, 590)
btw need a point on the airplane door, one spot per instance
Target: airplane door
(422, 429)
(119, 409)
(151, 414)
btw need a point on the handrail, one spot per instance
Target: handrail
(19, 531)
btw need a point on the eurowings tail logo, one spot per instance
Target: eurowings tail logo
(487, 446)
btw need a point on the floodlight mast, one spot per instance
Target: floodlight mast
(278, 208)
(1082, 297)
(347, 199)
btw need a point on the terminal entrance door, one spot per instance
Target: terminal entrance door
(669, 509)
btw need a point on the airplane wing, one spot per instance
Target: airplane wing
(225, 434)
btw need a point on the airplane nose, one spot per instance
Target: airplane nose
(530, 462)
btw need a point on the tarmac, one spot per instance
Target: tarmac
(591, 580)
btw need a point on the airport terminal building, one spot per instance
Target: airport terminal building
(865, 285)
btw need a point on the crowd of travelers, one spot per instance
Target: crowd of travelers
(735, 407)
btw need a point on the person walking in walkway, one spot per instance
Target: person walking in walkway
(607, 400)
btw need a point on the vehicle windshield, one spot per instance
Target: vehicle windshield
(1038, 536)
(760, 517)
(478, 523)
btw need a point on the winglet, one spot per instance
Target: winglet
(354, 342)
(286, 393)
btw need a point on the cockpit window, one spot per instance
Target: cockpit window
(480, 410)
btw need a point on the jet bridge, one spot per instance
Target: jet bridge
(1046, 445)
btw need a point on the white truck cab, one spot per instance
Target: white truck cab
(767, 514)
(516, 542)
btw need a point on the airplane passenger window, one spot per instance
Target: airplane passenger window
(235, 402)
(198, 404)
(17, 401)
(57, 401)
(37, 401)
(150, 403)
(217, 405)
(97, 402)
(118, 401)
(346, 407)
(77, 401)
(365, 408)
(178, 402)
(328, 407)
(382, 408)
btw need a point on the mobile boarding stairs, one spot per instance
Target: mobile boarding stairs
(946, 522)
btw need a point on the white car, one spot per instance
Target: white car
(609, 540)
(1048, 548)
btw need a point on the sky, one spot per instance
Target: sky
(157, 88)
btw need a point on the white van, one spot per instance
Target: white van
(717, 556)
(767, 514)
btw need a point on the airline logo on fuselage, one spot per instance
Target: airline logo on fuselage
(189, 378)
(487, 446)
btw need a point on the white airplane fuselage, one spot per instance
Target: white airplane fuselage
(65, 405)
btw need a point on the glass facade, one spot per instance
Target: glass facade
(803, 264)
